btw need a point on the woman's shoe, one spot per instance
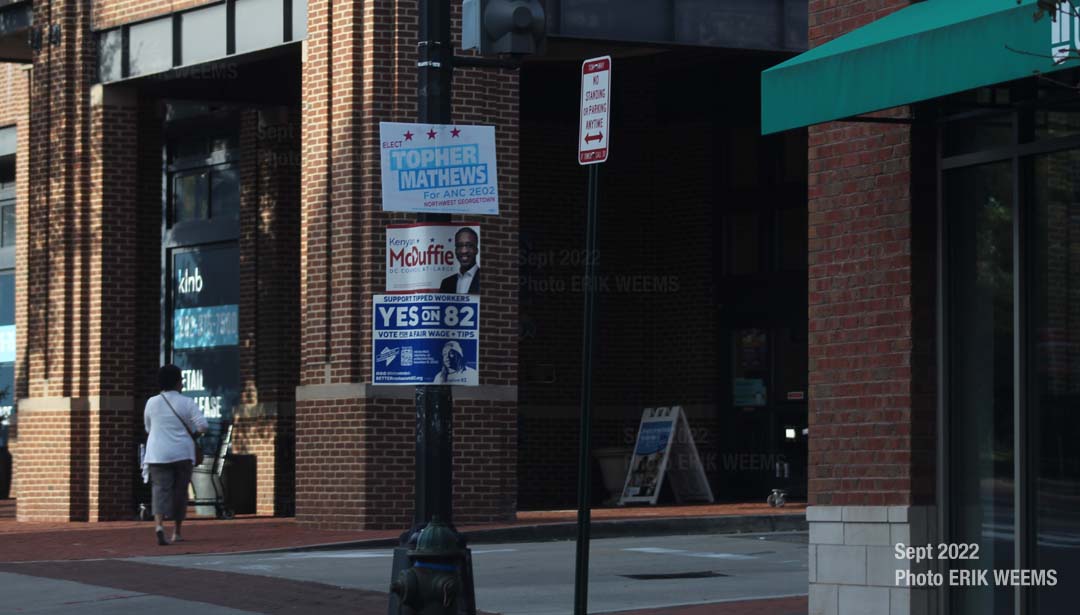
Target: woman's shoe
(161, 537)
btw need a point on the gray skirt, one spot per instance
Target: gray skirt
(170, 488)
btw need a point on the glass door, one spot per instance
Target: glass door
(979, 212)
(1054, 399)
(201, 261)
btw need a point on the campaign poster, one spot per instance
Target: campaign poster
(205, 332)
(439, 168)
(420, 256)
(426, 339)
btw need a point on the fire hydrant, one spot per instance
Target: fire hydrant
(430, 586)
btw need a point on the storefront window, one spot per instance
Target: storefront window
(752, 367)
(7, 317)
(205, 179)
(979, 132)
(191, 198)
(7, 352)
(1056, 399)
(7, 224)
(1050, 124)
(1012, 244)
(205, 331)
(979, 209)
(225, 192)
(203, 277)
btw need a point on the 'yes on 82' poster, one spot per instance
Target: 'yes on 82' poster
(426, 339)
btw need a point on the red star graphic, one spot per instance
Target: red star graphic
(431, 134)
(408, 136)
(455, 133)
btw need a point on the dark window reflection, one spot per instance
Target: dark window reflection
(191, 199)
(225, 192)
(1056, 319)
(973, 134)
(792, 239)
(979, 206)
(7, 225)
(1050, 124)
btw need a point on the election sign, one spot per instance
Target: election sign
(594, 134)
(439, 168)
(420, 256)
(426, 339)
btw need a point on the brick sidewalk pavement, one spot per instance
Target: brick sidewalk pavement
(278, 596)
(118, 539)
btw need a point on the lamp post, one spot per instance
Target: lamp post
(432, 569)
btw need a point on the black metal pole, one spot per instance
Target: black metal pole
(434, 404)
(581, 579)
(433, 487)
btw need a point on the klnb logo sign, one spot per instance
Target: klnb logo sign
(190, 282)
(1063, 27)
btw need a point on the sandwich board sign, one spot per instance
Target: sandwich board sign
(594, 133)
(665, 446)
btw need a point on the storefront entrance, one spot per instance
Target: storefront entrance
(1011, 245)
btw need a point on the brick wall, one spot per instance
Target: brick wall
(111, 299)
(51, 358)
(871, 302)
(269, 302)
(112, 13)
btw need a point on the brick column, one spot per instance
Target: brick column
(270, 302)
(354, 442)
(871, 354)
(75, 355)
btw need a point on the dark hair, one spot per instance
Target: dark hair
(168, 377)
(465, 229)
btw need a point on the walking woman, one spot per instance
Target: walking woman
(171, 419)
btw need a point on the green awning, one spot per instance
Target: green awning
(929, 49)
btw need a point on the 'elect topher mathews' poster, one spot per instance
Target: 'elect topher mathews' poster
(439, 168)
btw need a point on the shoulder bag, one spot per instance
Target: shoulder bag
(194, 440)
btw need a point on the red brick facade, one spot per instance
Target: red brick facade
(311, 255)
(112, 13)
(871, 302)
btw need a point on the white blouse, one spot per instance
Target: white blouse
(169, 441)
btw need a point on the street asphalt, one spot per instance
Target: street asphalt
(673, 573)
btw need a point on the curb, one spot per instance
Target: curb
(671, 526)
(616, 528)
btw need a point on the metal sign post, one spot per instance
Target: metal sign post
(418, 583)
(594, 137)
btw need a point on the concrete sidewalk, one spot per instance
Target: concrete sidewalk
(23, 542)
(57, 552)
